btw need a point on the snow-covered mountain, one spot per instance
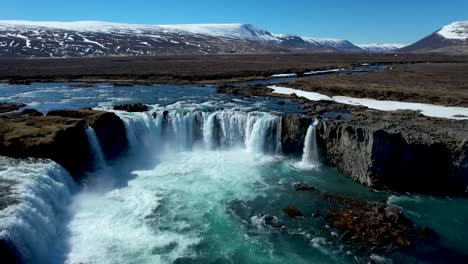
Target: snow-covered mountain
(381, 47)
(452, 38)
(94, 38)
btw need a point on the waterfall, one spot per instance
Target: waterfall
(310, 151)
(179, 130)
(96, 149)
(33, 215)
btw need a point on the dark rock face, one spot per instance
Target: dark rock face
(395, 159)
(293, 132)
(400, 151)
(132, 107)
(61, 136)
(109, 129)
(10, 107)
(292, 212)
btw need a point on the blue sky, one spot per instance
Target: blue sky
(360, 21)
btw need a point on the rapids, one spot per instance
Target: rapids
(201, 170)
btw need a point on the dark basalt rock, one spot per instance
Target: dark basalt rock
(19, 82)
(109, 129)
(10, 107)
(374, 226)
(119, 84)
(83, 85)
(293, 132)
(303, 187)
(31, 112)
(61, 136)
(292, 212)
(132, 107)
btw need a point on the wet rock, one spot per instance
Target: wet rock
(272, 221)
(371, 226)
(83, 85)
(61, 136)
(19, 82)
(122, 84)
(292, 212)
(109, 129)
(10, 107)
(303, 187)
(293, 131)
(138, 107)
(280, 102)
(31, 112)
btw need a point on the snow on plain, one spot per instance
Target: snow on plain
(284, 75)
(425, 109)
(456, 30)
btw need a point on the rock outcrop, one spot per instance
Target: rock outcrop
(109, 129)
(293, 132)
(132, 107)
(61, 136)
(9, 107)
(399, 151)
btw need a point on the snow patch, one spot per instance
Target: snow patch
(425, 109)
(284, 75)
(456, 30)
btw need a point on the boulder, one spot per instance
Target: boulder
(303, 187)
(10, 107)
(292, 212)
(132, 107)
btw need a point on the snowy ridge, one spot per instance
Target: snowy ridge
(376, 47)
(95, 38)
(242, 31)
(456, 30)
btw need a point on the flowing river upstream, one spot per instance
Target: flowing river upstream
(201, 173)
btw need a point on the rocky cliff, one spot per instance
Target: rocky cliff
(61, 136)
(400, 151)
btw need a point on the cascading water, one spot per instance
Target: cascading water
(96, 149)
(257, 132)
(32, 220)
(310, 156)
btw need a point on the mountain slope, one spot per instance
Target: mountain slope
(381, 47)
(452, 38)
(94, 38)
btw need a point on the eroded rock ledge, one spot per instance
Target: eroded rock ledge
(61, 136)
(400, 151)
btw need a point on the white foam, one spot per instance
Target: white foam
(34, 224)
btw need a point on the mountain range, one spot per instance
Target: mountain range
(93, 38)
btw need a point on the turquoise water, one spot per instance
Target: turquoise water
(194, 188)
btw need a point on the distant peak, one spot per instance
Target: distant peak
(456, 30)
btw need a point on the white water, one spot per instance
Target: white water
(310, 157)
(201, 161)
(34, 224)
(96, 149)
(257, 132)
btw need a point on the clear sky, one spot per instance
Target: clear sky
(360, 21)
